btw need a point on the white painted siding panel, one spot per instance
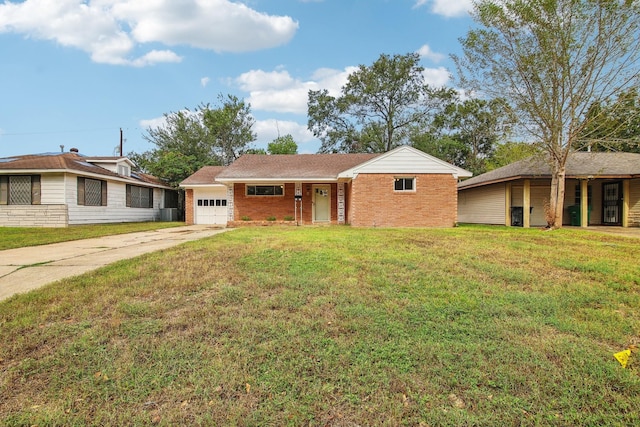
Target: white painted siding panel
(116, 209)
(406, 160)
(483, 205)
(52, 189)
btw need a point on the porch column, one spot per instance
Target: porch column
(625, 202)
(584, 203)
(526, 203)
(507, 204)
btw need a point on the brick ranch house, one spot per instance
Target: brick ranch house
(604, 188)
(62, 189)
(401, 188)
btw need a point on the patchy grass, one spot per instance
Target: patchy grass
(13, 237)
(334, 326)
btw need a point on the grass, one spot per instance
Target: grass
(14, 237)
(334, 326)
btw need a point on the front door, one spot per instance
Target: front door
(612, 203)
(321, 203)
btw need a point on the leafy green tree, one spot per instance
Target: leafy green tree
(613, 126)
(551, 60)
(230, 128)
(255, 151)
(378, 107)
(477, 125)
(441, 146)
(283, 145)
(181, 143)
(510, 152)
(188, 140)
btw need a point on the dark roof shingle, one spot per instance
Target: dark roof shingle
(579, 164)
(205, 175)
(70, 162)
(292, 166)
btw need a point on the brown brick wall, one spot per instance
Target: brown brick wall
(375, 203)
(259, 208)
(188, 207)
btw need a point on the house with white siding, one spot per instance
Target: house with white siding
(62, 189)
(603, 188)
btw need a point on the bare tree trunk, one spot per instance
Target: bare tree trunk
(558, 172)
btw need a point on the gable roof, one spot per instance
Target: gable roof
(405, 159)
(204, 176)
(75, 163)
(579, 165)
(291, 167)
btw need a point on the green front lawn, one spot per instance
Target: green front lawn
(14, 237)
(335, 326)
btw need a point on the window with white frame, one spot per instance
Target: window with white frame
(265, 190)
(404, 184)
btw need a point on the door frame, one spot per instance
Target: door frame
(314, 188)
(618, 203)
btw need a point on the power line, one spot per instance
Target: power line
(58, 132)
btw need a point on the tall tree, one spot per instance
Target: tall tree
(551, 60)
(613, 126)
(230, 127)
(182, 146)
(188, 140)
(378, 106)
(478, 125)
(283, 145)
(511, 152)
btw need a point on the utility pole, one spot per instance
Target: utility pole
(121, 142)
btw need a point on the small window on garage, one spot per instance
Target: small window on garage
(404, 184)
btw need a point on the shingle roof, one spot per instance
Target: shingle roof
(70, 162)
(291, 166)
(579, 164)
(205, 175)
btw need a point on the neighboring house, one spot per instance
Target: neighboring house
(61, 189)
(602, 187)
(401, 188)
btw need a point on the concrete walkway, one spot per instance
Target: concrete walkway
(24, 269)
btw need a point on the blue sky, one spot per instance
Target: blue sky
(73, 72)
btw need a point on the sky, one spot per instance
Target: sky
(75, 72)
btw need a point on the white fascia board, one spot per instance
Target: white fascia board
(197, 186)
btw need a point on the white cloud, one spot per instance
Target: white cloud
(279, 92)
(449, 8)
(110, 30)
(426, 52)
(204, 81)
(436, 77)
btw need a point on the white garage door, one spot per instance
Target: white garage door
(211, 208)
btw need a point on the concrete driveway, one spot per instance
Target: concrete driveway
(24, 269)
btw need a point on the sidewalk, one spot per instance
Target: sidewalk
(24, 269)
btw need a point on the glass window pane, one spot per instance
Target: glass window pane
(408, 184)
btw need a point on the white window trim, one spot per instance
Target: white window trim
(413, 178)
